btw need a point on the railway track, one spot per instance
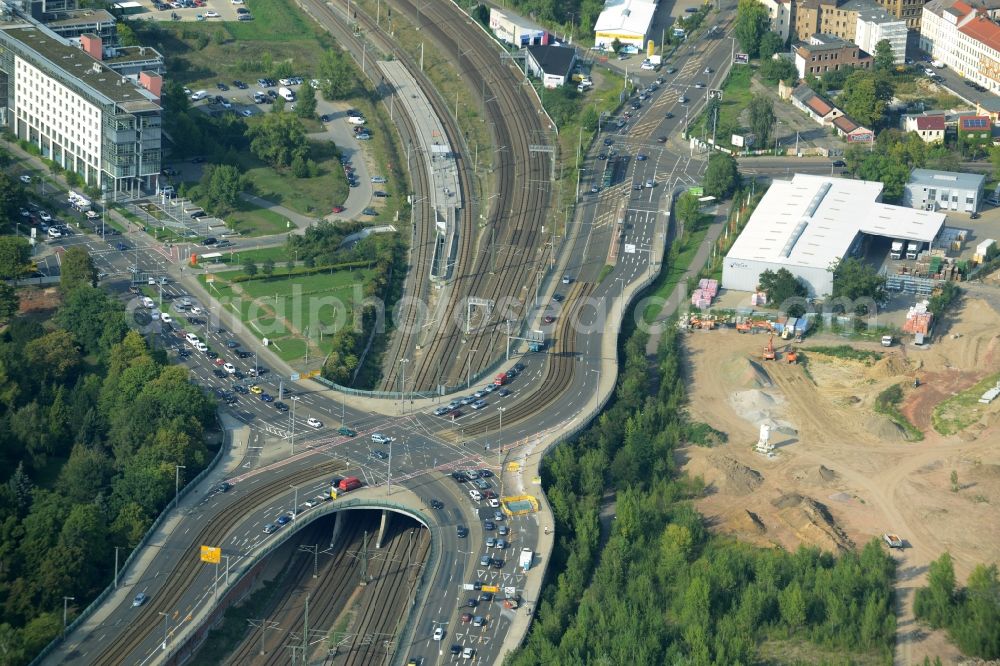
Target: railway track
(558, 373)
(519, 216)
(337, 581)
(388, 595)
(148, 618)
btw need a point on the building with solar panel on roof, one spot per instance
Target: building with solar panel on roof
(929, 189)
(808, 224)
(975, 132)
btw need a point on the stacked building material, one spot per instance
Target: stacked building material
(982, 249)
(758, 298)
(918, 319)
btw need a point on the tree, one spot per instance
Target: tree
(778, 69)
(15, 256)
(762, 119)
(616, 45)
(865, 97)
(721, 176)
(77, 269)
(855, 279)
(250, 268)
(885, 59)
(54, 356)
(10, 301)
(12, 197)
(752, 22)
(336, 75)
(688, 210)
(770, 43)
(780, 286)
(96, 321)
(278, 139)
(222, 185)
(954, 481)
(126, 35)
(933, 604)
(793, 606)
(267, 268)
(305, 107)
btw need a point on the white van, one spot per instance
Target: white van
(286, 94)
(191, 338)
(147, 302)
(475, 495)
(201, 346)
(201, 94)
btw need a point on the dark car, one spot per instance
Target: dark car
(232, 344)
(222, 86)
(437, 504)
(369, 211)
(223, 487)
(211, 354)
(661, 139)
(281, 407)
(462, 531)
(210, 241)
(239, 84)
(608, 141)
(244, 354)
(242, 390)
(381, 455)
(283, 519)
(266, 397)
(221, 374)
(456, 650)
(839, 163)
(489, 526)
(668, 115)
(472, 603)
(121, 246)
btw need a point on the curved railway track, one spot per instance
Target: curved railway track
(407, 327)
(182, 577)
(519, 216)
(558, 373)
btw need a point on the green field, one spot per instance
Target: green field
(309, 196)
(672, 271)
(283, 309)
(252, 221)
(736, 96)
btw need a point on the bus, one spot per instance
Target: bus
(609, 172)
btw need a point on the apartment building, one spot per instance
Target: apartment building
(781, 16)
(874, 24)
(80, 112)
(964, 38)
(826, 53)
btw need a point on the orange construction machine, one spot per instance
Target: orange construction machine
(792, 356)
(769, 349)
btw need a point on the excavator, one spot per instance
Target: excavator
(769, 349)
(791, 356)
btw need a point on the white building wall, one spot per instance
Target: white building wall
(57, 115)
(940, 36)
(781, 16)
(868, 34)
(744, 275)
(940, 197)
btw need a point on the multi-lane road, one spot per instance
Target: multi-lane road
(556, 388)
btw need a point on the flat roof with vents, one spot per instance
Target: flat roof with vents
(811, 221)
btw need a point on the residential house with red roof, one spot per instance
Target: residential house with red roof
(930, 128)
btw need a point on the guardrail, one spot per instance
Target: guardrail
(246, 567)
(110, 589)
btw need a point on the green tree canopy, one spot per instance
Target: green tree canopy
(865, 97)
(10, 303)
(77, 269)
(336, 74)
(15, 256)
(278, 139)
(752, 23)
(884, 58)
(856, 279)
(12, 198)
(305, 105)
(688, 209)
(222, 185)
(770, 43)
(778, 69)
(721, 176)
(762, 119)
(781, 286)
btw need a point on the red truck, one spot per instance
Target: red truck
(501, 379)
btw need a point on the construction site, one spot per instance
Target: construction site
(815, 454)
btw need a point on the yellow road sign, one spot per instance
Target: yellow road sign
(491, 588)
(211, 554)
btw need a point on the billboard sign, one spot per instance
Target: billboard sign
(741, 58)
(211, 554)
(737, 141)
(697, 190)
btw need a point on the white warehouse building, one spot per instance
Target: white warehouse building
(809, 223)
(627, 21)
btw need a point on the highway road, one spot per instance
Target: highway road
(556, 387)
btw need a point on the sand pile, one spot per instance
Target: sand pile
(827, 474)
(740, 479)
(759, 408)
(812, 523)
(747, 373)
(891, 365)
(882, 427)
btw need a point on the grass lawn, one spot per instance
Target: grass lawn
(672, 272)
(960, 411)
(309, 196)
(283, 309)
(736, 96)
(252, 221)
(276, 254)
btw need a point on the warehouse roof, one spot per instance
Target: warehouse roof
(811, 221)
(553, 59)
(934, 178)
(626, 16)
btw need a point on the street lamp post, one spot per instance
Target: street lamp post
(402, 381)
(166, 619)
(177, 482)
(295, 504)
(501, 410)
(66, 601)
(468, 368)
(116, 566)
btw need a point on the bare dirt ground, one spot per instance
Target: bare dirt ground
(843, 474)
